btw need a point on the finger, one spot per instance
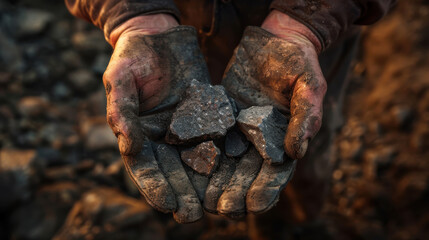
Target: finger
(306, 113)
(145, 173)
(199, 182)
(154, 126)
(123, 109)
(232, 202)
(188, 205)
(265, 190)
(218, 182)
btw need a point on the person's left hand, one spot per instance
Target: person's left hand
(273, 65)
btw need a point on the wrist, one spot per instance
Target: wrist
(146, 25)
(281, 25)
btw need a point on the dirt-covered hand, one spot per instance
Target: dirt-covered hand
(278, 65)
(275, 66)
(152, 64)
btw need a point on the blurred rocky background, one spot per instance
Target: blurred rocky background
(61, 175)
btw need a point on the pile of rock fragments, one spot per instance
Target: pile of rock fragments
(212, 123)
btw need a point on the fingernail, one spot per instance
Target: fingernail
(302, 150)
(123, 144)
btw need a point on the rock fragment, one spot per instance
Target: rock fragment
(204, 114)
(236, 144)
(204, 158)
(265, 127)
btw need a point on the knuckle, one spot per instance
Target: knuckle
(112, 119)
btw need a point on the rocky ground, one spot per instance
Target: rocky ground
(61, 175)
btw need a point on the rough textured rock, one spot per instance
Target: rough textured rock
(236, 144)
(265, 127)
(204, 158)
(205, 113)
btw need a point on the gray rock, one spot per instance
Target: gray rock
(236, 144)
(203, 158)
(265, 127)
(205, 113)
(17, 175)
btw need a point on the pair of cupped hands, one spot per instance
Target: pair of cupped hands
(154, 61)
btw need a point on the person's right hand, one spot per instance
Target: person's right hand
(153, 62)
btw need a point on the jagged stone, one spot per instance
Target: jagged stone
(265, 127)
(236, 144)
(205, 113)
(204, 158)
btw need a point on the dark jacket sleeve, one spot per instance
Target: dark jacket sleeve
(328, 19)
(108, 14)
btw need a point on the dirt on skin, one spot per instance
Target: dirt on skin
(379, 185)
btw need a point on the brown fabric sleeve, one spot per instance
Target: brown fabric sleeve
(108, 14)
(328, 19)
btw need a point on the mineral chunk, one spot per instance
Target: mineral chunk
(204, 114)
(265, 127)
(203, 158)
(236, 144)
